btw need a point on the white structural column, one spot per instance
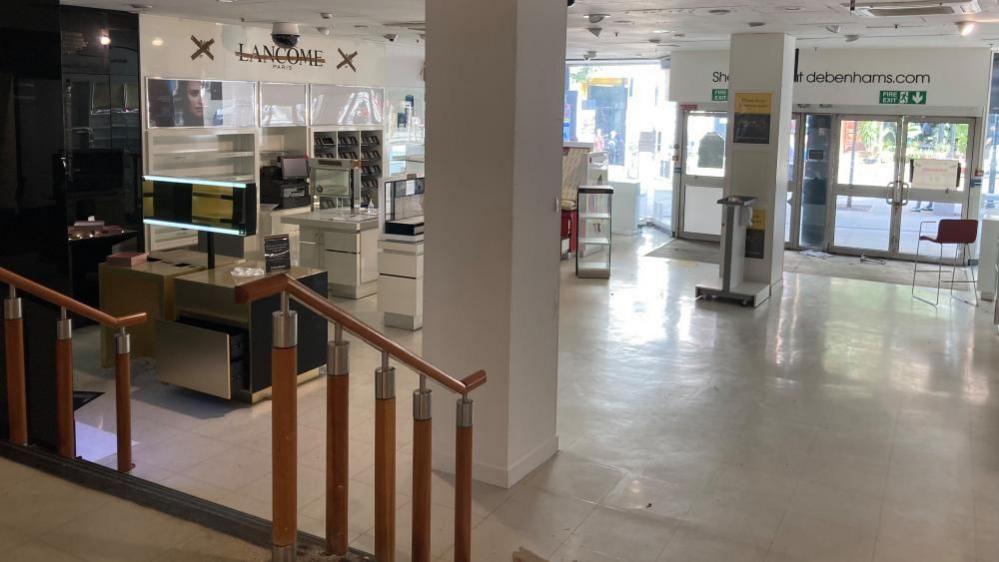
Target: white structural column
(762, 63)
(494, 146)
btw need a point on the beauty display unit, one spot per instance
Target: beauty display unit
(593, 248)
(218, 347)
(400, 261)
(205, 153)
(341, 236)
(363, 145)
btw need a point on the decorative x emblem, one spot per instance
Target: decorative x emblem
(348, 60)
(204, 48)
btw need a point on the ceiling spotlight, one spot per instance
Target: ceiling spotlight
(595, 31)
(851, 38)
(589, 55)
(326, 15)
(324, 30)
(965, 28)
(140, 6)
(104, 39)
(655, 40)
(719, 11)
(834, 29)
(391, 37)
(757, 23)
(596, 18)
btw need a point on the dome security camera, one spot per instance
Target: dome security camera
(285, 34)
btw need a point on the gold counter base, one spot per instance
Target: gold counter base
(265, 394)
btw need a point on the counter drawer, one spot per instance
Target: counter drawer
(195, 356)
(342, 242)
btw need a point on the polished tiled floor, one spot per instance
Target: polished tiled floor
(844, 421)
(46, 519)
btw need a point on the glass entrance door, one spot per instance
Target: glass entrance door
(865, 179)
(880, 201)
(937, 141)
(703, 175)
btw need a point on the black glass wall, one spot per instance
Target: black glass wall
(69, 149)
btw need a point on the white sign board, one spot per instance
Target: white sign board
(931, 173)
(852, 76)
(188, 49)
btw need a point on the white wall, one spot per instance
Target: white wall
(954, 78)
(166, 49)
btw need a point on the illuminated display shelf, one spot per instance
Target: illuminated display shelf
(204, 153)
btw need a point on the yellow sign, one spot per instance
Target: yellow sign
(759, 220)
(754, 104)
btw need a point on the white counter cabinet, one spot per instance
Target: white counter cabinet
(400, 285)
(344, 244)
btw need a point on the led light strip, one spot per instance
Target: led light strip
(196, 181)
(189, 226)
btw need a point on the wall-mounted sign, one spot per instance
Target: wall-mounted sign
(853, 77)
(284, 58)
(756, 235)
(752, 118)
(902, 97)
(719, 94)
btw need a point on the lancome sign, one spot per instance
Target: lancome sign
(280, 57)
(247, 53)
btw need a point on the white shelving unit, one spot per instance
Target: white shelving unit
(205, 153)
(593, 249)
(364, 144)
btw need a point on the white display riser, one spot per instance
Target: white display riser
(400, 284)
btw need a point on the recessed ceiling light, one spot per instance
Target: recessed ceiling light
(719, 11)
(104, 39)
(596, 18)
(757, 24)
(965, 28)
(140, 6)
(791, 8)
(226, 1)
(660, 31)
(157, 41)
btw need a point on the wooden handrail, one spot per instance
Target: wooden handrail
(276, 284)
(76, 307)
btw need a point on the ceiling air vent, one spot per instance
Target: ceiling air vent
(917, 8)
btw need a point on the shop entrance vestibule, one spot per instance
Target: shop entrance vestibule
(850, 180)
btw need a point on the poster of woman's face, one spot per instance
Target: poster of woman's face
(200, 103)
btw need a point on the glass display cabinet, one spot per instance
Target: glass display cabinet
(336, 183)
(593, 248)
(403, 207)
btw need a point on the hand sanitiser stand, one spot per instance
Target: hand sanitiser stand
(733, 287)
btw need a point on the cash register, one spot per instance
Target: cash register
(286, 184)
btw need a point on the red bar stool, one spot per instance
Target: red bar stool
(959, 232)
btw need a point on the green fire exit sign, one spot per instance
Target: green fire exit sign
(903, 97)
(719, 94)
